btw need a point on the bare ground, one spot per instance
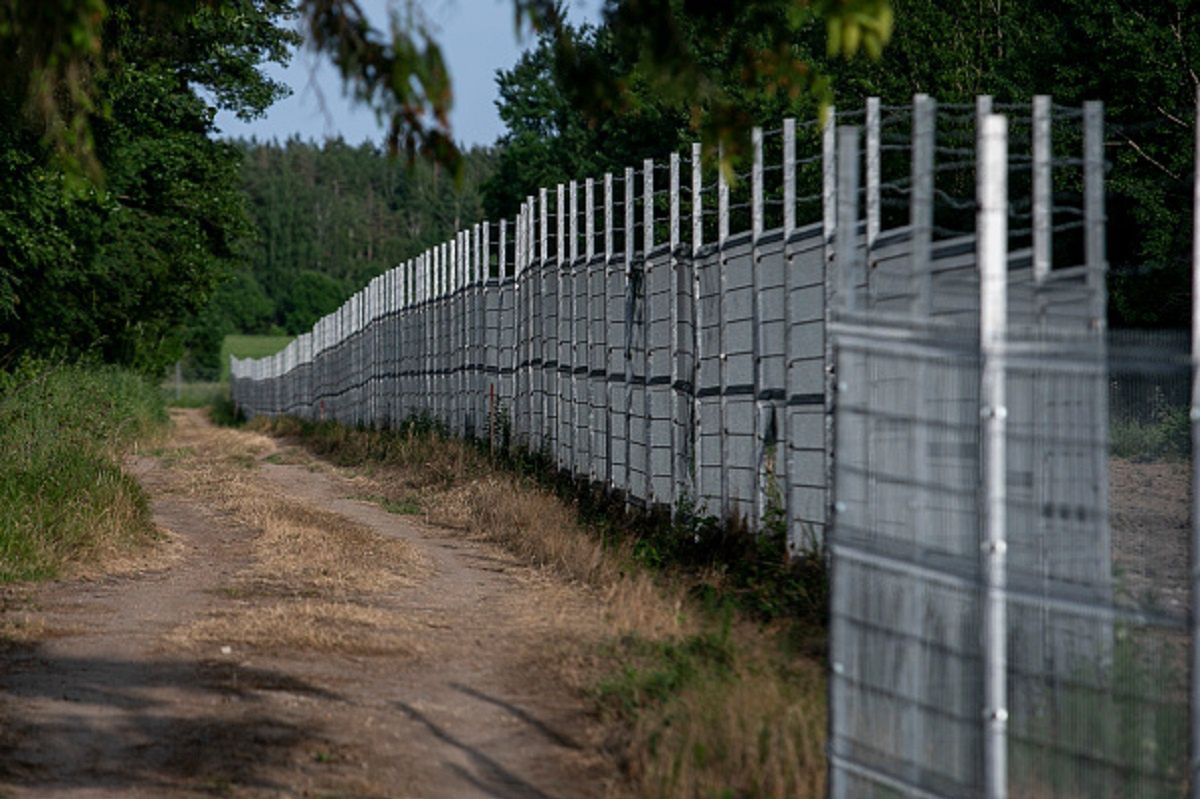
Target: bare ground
(260, 652)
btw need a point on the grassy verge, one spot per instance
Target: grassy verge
(708, 663)
(63, 496)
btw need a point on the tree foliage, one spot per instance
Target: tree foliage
(113, 270)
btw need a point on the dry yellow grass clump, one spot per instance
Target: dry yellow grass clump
(300, 553)
(700, 703)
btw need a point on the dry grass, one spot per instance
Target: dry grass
(300, 552)
(752, 734)
(541, 530)
(307, 625)
(697, 706)
(455, 486)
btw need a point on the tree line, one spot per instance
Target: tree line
(327, 218)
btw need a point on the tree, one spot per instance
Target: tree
(115, 270)
(549, 141)
(310, 296)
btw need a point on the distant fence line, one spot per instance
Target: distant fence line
(906, 338)
(616, 325)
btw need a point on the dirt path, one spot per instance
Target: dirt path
(221, 667)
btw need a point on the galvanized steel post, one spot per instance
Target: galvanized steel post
(993, 312)
(1194, 583)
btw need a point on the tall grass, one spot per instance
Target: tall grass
(63, 495)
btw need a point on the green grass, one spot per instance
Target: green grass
(244, 346)
(63, 495)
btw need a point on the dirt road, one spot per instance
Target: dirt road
(289, 639)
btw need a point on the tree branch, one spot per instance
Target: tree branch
(1150, 158)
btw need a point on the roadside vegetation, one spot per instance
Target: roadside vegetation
(64, 499)
(709, 663)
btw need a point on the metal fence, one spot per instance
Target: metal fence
(925, 364)
(661, 332)
(1011, 592)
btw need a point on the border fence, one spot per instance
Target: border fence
(894, 322)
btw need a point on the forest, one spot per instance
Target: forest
(327, 218)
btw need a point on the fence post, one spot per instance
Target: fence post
(594, 388)
(646, 320)
(760, 407)
(676, 344)
(608, 342)
(828, 229)
(544, 428)
(921, 208)
(527, 319)
(577, 460)
(1093, 177)
(697, 364)
(461, 344)
(629, 240)
(789, 226)
(1042, 198)
(561, 442)
(451, 344)
(525, 314)
(1195, 420)
(847, 214)
(993, 309)
(504, 294)
(1097, 268)
(478, 330)
(722, 373)
(874, 170)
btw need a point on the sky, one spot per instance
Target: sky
(477, 37)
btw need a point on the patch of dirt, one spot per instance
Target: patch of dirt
(1150, 518)
(290, 640)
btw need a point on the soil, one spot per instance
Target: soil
(104, 697)
(1150, 519)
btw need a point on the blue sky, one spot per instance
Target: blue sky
(477, 38)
